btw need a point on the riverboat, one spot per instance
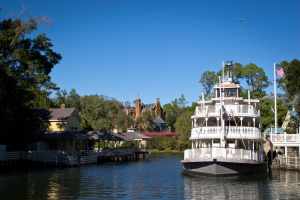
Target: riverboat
(226, 136)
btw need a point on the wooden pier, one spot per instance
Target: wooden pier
(68, 159)
(122, 155)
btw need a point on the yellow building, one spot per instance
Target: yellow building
(63, 119)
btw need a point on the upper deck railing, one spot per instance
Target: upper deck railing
(236, 110)
(230, 132)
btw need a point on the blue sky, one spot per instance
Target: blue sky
(124, 48)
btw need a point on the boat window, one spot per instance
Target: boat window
(230, 92)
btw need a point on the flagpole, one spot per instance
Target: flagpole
(275, 99)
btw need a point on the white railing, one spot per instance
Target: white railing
(211, 132)
(222, 153)
(285, 138)
(236, 110)
(53, 157)
(12, 155)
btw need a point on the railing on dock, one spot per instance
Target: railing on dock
(58, 158)
(12, 155)
(70, 158)
(285, 138)
(286, 163)
(88, 157)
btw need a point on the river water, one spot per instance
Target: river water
(159, 177)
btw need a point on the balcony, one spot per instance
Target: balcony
(221, 154)
(235, 110)
(230, 133)
(285, 139)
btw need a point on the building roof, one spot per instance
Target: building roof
(60, 113)
(66, 135)
(160, 134)
(135, 136)
(159, 120)
(272, 129)
(110, 136)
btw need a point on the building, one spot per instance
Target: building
(153, 134)
(139, 107)
(284, 142)
(64, 119)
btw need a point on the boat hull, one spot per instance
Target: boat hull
(223, 168)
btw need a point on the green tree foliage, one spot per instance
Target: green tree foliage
(26, 60)
(267, 109)
(256, 79)
(100, 113)
(236, 72)
(290, 82)
(145, 121)
(173, 110)
(183, 127)
(71, 99)
(208, 79)
(163, 143)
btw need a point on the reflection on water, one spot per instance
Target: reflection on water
(158, 178)
(282, 185)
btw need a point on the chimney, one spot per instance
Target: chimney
(158, 111)
(138, 108)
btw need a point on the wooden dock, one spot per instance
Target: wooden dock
(122, 155)
(68, 159)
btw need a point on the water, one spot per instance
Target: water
(158, 178)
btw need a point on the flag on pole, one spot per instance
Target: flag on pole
(280, 72)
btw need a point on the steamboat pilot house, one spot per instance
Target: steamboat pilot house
(225, 136)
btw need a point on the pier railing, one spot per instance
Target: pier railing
(285, 138)
(71, 158)
(12, 155)
(282, 162)
(222, 153)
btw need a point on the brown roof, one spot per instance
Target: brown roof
(159, 134)
(60, 113)
(229, 85)
(134, 136)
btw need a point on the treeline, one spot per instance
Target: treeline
(106, 114)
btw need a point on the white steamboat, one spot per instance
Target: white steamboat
(226, 136)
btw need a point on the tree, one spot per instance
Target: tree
(26, 60)
(267, 115)
(29, 59)
(99, 113)
(145, 121)
(290, 82)
(256, 79)
(208, 80)
(173, 110)
(236, 72)
(93, 114)
(183, 128)
(70, 100)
